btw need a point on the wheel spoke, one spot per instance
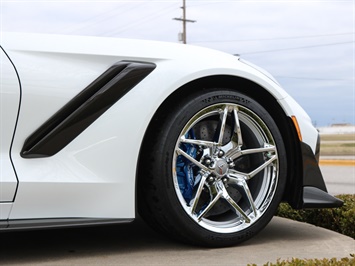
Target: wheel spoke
(240, 181)
(237, 209)
(236, 152)
(237, 129)
(253, 173)
(193, 160)
(223, 125)
(233, 204)
(235, 173)
(198, 193)
(261, 167)
(204, 143)
(210, 205)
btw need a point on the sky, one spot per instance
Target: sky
(308, 46)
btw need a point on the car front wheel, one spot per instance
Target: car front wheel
(213, 169)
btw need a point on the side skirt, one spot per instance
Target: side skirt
(32, 224)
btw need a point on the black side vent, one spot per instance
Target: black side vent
(84, 109)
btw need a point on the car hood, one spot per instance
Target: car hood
(89, 45)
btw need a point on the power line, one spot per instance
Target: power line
(106, 15)
(277, 38)
(149, 17)
(296, 48)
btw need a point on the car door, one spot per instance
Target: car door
(9, 107)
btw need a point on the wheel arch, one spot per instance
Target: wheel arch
(293, 190)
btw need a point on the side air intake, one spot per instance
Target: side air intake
(80, 112)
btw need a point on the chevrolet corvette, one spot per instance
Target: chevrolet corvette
(201, 144)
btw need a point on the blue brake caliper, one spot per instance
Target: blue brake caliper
(185, 168)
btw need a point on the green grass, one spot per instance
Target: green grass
(313, 262)
(337, 150)
(337, 145)
(337, 137)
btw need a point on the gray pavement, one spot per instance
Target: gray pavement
(137, 244)
(339, 179)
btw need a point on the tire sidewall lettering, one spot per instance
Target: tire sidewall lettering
(223, 97)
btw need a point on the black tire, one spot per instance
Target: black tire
(212, 170)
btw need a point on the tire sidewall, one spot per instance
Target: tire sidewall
(168, 136)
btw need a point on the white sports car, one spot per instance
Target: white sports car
(201, 144)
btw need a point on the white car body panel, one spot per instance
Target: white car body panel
(308, 131)
(94, 176)
(9, 103)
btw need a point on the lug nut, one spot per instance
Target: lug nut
(225, 180)
(268, 155)
(210, 179)
(220, 153)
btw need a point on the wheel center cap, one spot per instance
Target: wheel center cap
(221, 167)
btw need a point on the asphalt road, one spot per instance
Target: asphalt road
(137, 244)
(339, 179)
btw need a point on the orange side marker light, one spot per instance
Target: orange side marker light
(294, 120)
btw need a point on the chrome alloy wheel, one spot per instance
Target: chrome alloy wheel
(225, 168)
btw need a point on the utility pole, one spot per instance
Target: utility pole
(184, 20)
